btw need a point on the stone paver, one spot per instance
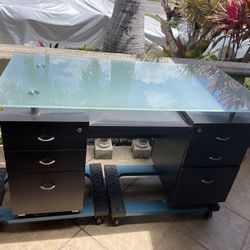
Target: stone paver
(135, 233)
(83, 241)
(239, 198)
(246, 245)
(36, 235)
(225, 230)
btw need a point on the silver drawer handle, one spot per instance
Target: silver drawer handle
(45, 140)
(222, 138)
(207, 182)
(215, 159)
(47, 163)
(47, 188)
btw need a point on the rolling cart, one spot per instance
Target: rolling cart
(98, 206)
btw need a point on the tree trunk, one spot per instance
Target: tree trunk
(125, 32)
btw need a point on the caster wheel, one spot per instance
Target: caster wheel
(99, 220)
(116, 221)
(208, 214)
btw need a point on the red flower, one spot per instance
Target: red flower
(232, 11)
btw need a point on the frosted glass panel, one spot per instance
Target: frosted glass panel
(67, 82)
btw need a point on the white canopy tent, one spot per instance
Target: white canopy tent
(72, 23)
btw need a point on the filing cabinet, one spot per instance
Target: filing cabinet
(45, 163)
(212, 159)
(204, 185)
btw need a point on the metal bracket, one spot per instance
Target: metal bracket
(35, 111)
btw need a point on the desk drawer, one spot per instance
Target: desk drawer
(45, 161)
(214, 157)
(204, 185)
(46, 193)
(221, 135)
(44, 136)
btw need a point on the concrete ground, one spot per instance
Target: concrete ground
(227, 229)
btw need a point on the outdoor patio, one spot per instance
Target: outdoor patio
(172, 78)
(227, 229)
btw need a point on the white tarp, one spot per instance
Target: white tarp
(72, 23)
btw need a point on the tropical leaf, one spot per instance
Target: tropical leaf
(150, 47)
(233, 19)
(156, 17)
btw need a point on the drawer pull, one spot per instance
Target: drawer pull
(46, 186)
(47, 163)
(207, 182)
(215, 158)
(40, 138)
(222, 138)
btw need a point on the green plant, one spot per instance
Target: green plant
(193, 11)
(86, 48)
(232, 21)
(154, 52)
(199, 31)
(247, 82)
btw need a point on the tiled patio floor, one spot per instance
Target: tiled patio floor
(227, 229)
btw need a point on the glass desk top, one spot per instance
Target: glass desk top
(45, 81)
